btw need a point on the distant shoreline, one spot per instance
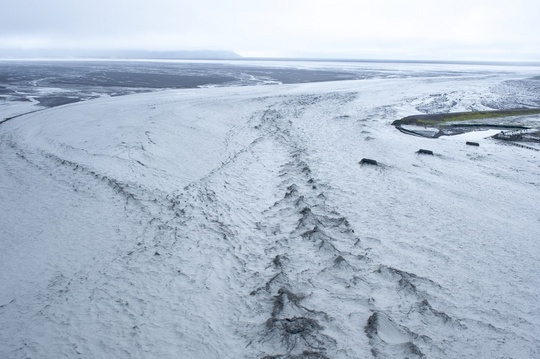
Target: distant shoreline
(263, 59)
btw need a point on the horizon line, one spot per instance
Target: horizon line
(253, 58)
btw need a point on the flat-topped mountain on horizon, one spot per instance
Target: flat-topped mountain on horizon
(119, 54)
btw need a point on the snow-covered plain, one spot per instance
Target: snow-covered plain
(238, 223)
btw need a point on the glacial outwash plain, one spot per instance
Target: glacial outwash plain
(233, 219)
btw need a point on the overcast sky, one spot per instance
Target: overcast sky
(382, 29)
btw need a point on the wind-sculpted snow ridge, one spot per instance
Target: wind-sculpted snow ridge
(237, 223)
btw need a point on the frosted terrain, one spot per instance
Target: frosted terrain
(236, 222)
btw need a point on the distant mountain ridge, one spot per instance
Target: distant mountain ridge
(121, 54)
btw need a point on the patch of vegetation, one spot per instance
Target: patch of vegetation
(441, 118)
(448, 124)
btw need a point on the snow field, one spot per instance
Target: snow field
(237, 222)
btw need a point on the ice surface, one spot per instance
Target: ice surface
(237, 223)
